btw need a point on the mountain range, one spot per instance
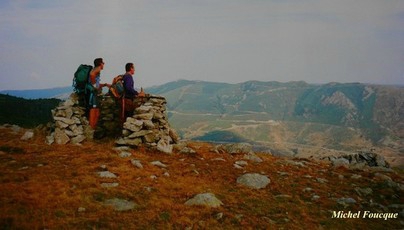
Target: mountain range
(293, 118)
(58, 92)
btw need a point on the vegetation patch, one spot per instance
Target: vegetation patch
(221, 136)
(12, 150)
(26, 113)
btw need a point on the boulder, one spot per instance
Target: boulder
(205, 199)
(254, 180)
(27, 135)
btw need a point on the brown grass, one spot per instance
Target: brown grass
(43, 186)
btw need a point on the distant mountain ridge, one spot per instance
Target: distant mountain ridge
(58, 92)
(333, 115)
(336, 115)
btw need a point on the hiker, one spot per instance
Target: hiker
(130, 91)
(95, 89)
(128, 83)
(95, 76)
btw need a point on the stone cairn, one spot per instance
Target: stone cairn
(70, 123)
(148, 126)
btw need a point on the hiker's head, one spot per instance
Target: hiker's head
(129, 67)
(98, 62)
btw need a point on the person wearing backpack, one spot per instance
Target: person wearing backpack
(95, 88)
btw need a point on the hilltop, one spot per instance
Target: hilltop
(96, 186)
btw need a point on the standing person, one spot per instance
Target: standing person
(130, 92)
(95, 88)
(128, 82)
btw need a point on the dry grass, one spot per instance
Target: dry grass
(43, 187)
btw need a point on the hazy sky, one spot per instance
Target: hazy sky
(42, 42)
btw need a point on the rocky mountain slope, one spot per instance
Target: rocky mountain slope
(97, 186)
(290, 117)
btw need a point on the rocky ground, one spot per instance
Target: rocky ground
(95, 185)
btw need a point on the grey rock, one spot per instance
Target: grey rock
(164, 146)
(78, 139)
(219, 159)
(359, 160)
(106, 174)
(136, 163)
(140, 133)
(315, 197)
(252, 157)
(120, 204)
(236, 148)
(61, 125)
(174, 135)
(158, 164)
(254, 180)
(132, 124)
(125, 154)
(61, 137)
(187, 150)
(148, 124)
(205, 199)
(27, 135)
(130, 142)
(346, 201)
(121, 148)
(151, 137)
(65, 120)
(144, 116)
(241, 163)
(143, 109)
(50, 139)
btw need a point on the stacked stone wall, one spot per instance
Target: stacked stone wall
(110, 121)
(147, 127)
(70, 123)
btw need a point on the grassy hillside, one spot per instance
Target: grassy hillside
(26, 113)
(59, 187)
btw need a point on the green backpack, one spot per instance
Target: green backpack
(80, 79)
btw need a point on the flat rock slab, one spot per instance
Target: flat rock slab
(106, 174)
(120, 204)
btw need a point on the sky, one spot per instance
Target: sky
(42, 42)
